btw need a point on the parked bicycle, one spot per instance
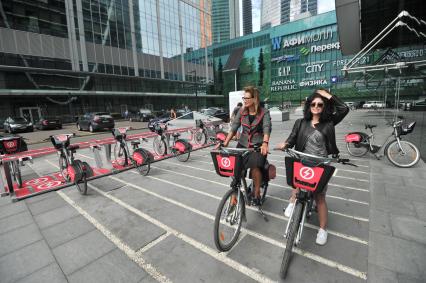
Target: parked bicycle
(204, 131)
(73, 170)
(228, 162)
(310, 174)
(13, 144)
(399, 152)
(180, 148)
(140, 158)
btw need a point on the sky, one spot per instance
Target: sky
(323, 6)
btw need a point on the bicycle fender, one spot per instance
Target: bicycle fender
(182, 145)
(355, 137)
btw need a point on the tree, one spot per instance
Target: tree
(220, 76)
(261, 67)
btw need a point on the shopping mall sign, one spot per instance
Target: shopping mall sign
(281, 42)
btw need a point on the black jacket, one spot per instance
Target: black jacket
(299, 136)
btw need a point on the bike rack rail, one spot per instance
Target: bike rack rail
(101, 150)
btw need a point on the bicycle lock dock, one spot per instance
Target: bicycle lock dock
(101, 152)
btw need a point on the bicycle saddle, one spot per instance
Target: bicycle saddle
(176, 135)
(73, 147)
(368, 126)
(135, 142)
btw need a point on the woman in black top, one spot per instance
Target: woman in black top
(315, 134)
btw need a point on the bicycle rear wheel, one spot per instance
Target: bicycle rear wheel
(144, 167)
(292, 231)
(405, 156)
(228, 220)
(357, 149)
(81, 184)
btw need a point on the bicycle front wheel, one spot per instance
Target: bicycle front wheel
(159, 146)
(357, 149)
(200, 137)
(142, 167)
(119, 154)
(17, 173)
(182, 157)
(405, 156)
(63, 166)
(292, 231)
(227, 224)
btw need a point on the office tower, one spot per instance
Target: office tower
(225, 20)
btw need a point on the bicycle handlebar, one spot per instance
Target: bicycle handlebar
(321, 159)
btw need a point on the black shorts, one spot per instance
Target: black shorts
(253, 159)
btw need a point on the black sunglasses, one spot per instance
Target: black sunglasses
(319, 105)
(247, 98)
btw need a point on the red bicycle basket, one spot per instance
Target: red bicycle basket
(307, 177)
(352, 138)
(227, 165)
(10, 146)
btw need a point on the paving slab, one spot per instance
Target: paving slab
(18, 238)
(68, 230)
(55, 216)
(106, 184)
(409, 228)
(380, 222)
(378, 274)
(47, 204)
(51, 274)
(420, 208)
(25, 261)
(81, 251)
(15, 221)
(10, 209)
(401, 256)
(113, 267)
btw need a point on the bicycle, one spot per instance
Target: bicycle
(72, 170)
(310, 174)
(140, 158)
(228, 162)
(10, 145)
(204, 132)
(399, 152)
(180, 148)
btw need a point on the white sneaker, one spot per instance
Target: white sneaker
(288, 209)
(321, 237)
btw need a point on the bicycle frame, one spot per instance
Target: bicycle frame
(388, 140)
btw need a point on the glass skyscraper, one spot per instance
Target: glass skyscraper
(225, 20)
(247, 17)
(295, 9)
(123, 46)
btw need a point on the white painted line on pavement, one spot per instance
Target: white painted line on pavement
(278, 216)
(269, 196)
(200, 246)
(153, 243)
(151, 270)
(270, 183)
(309, 255)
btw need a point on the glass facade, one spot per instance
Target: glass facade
(247, 17)
(292, 9)
(225, 20)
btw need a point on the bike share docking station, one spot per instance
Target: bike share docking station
(11, 184)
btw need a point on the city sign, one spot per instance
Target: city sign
(314, 68)
(279, 42)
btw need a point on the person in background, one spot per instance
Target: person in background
(315, 134)
(234, 113)
(172, 113)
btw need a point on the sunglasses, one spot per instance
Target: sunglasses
(247, 98)
(319, 105)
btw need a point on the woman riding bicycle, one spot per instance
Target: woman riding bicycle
(315, 134)
(256, 129)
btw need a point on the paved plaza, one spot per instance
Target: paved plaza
(132, 228)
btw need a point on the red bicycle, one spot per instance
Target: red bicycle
(309, 174)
